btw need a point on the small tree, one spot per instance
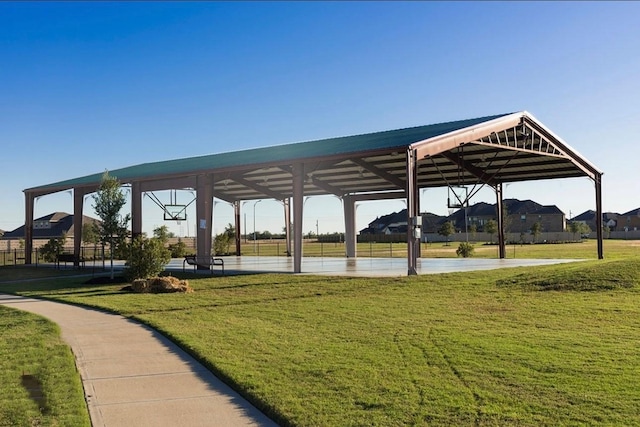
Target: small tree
(109, 199)
(446, 229)
(162, 233)
(491, 227)
(223, 240)
(506, 219)
(147, 258)
(53, 248)
(473, 229)
(536, 229)
(178, 250)
(584, 229)
(91, 235)
(573, 228)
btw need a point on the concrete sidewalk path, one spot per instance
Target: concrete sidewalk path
(134, 376)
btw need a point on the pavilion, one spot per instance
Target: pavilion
(393, 164)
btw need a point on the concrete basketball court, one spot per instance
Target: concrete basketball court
(368, 267)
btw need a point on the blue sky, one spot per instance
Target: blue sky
(86, 87)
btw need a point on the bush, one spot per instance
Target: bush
(147, 258)
(52, 249)
(221, 244)
(178, 250)
(465, 250)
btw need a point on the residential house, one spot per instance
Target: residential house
(629, 221)
(609, 220)
(384, 224)
(520, 216)
(395, 224)
(48, 227)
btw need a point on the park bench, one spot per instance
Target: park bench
(68, 258)
(203, 262)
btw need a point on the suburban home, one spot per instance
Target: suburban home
(384, 224)
(521, 215)
(47, 227)
(395, 224)
(610, 220)
(629, 221)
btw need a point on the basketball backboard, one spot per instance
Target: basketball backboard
(457, 197)
(175, 212)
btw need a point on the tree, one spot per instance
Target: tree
(178, 250)
(506, 219)
(223, 240)
(491, 227)
(574, 228)
(109, 199)
(473, 229)
(90, 233)
(53, 248)
(446, 230)
(147, 258)
(162, 233)
(536, 229)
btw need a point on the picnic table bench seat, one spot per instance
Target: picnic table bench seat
(208, 262)
(67, 257)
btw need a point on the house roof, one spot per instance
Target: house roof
(513, 207)
(492, 149)
(590, 215)
(633, 212)
(60, 223)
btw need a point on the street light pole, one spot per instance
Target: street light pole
(254, 224)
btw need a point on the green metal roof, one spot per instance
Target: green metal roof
(280, 154)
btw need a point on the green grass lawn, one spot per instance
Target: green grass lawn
(39, 384)
(553, 345)
(581, 250)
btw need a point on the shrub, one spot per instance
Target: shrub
(465, 250)
(147, 258)
(221, 244)
(178, 250)
(52, 249)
